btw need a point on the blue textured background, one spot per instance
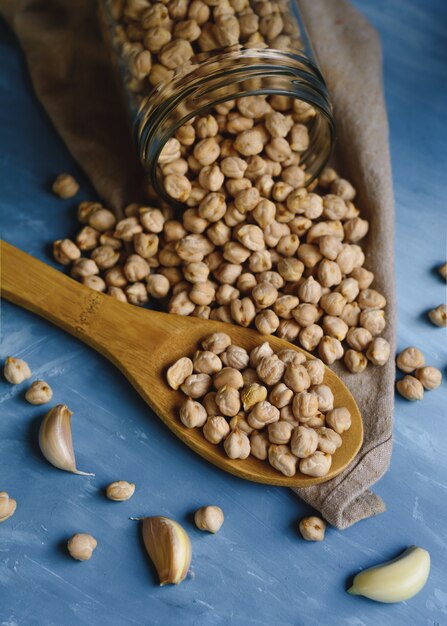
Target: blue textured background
(256, 571)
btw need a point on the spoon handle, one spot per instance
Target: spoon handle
(43, 290)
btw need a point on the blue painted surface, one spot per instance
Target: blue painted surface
(256, 571)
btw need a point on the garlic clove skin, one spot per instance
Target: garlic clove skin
(7, 506)
(169, 548)
(55, 439)
(394, 581)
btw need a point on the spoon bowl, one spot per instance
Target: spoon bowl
(143, 344)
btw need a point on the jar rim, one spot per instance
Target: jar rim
(219, 77)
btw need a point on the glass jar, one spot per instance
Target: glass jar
(178, 59)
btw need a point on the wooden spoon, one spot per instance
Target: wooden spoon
(144, 343)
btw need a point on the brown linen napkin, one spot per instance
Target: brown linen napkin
(73, 79)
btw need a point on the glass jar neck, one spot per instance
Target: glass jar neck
(215, 78)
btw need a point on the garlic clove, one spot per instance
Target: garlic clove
(396, 580)
(55, 439)
(169, 548)
(7, 506)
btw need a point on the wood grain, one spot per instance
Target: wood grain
(144, 343)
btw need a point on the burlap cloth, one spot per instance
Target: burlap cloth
(73, 79)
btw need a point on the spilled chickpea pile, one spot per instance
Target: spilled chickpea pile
(273, 406)
(291, 267)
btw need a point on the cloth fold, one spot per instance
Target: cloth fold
(73, 78)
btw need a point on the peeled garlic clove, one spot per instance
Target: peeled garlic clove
(7, 506)
(55, 439)
(169, 547)
(396, 580)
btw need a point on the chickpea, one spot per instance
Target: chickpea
(304, 442)
(280, 432)
(328, 440)
(355, 361)
(310, 337)
(65, 186)
(333, 303)
(312, 528)
(296, 378)
(233, 167)
(262, 414)
(305, 405)
(240, 423)
(228, 401)
(243, 311)
(325, 397)
(252, 394)
(237, 445)
(430, 377)
(310, 291)
(288, 330)
(315, 369)
(259, 445)
(179, 372)
(235, 252)
(410, 388)
(282, 459)
(438, 316)
(228, 377)
(206, 362)
(378, 351)
(217, 342)
(84, 267)
(339, 419)
(228, 273)
(216, 428)
(330, 350)
(270, 369)
(373, 320)
(267, 322)
(317, 464)
(236, 357)
(136, 294)
(117, 293)
(410, 359)
(292, 357)
(192, 414)
(105, 257)
(280, 396)
(363, 277)
(196, 385)
(291, 270)
(65, 251)
(94, 282)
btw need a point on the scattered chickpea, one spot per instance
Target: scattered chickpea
(312, 528)
(438, 316)
(209, 518)
(81, 546)
(40, 392)
(16, 370)
(430, 377)
(410, 388)
(120, 490)
(65, 186)
(443, 271)
(410, 359)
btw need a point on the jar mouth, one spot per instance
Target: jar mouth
(215, 78)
